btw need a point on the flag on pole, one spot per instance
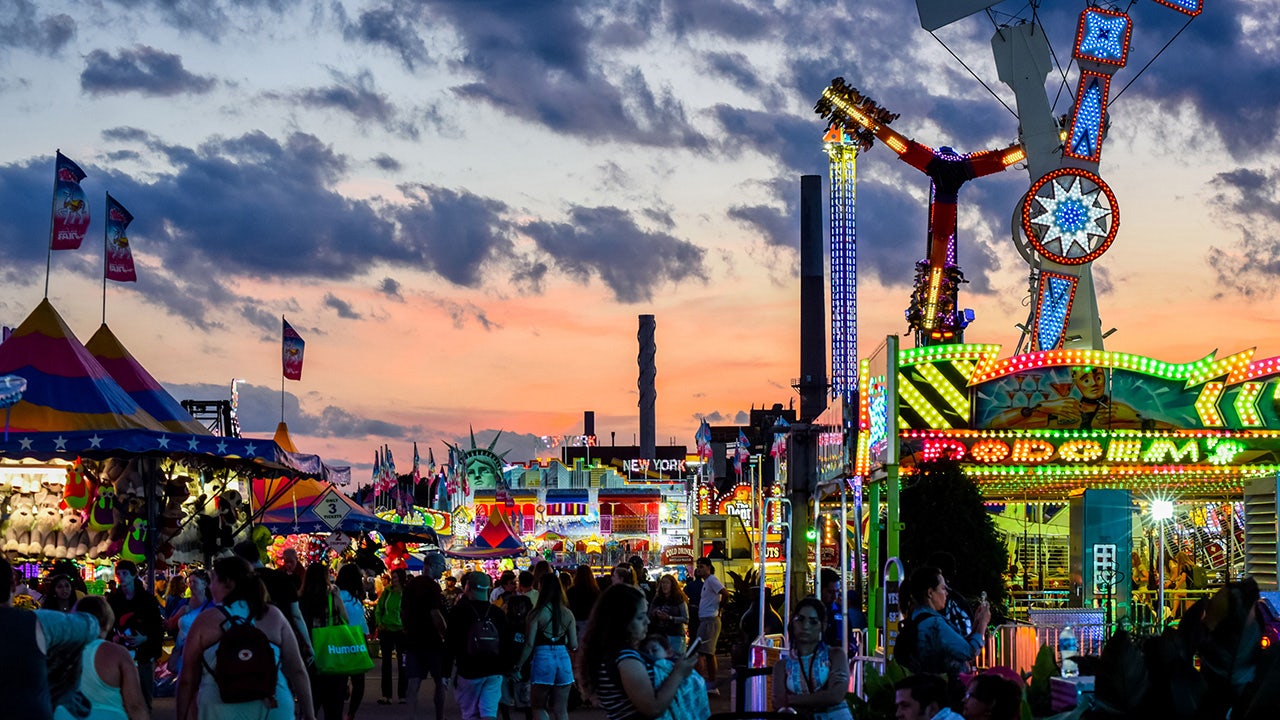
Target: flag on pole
(431, 462)
(417, 476)
(779, 447)
(742, 453)
(119, 266)
(70, 208)
(702, 439)
(292, 347)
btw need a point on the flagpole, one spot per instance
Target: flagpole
(281, 397)
(53, 205)
(106, 227)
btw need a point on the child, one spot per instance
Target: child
(515, 686)
(691, 698)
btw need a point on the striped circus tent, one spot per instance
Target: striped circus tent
(496, 540)
(67, 388)
(107, 349)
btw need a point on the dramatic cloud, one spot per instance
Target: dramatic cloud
(534, 61)
(1251, 265)
(142, 69)
(391, 288)
(21, 27)
(342, 307)
(357, 96)
(388, 27)
(607, 243)
(388, 163)
(454, 232)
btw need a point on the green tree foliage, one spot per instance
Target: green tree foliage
(942, 511)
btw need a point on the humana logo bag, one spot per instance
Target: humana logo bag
(340, 649)
(247, 668)
(483, 639)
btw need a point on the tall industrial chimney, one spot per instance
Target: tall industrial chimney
(647, 385)
(813, 317)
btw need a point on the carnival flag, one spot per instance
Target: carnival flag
(702, 439)
(742, 453)
(431, 462)
(70, 208)
(417, 475)
(779, 438)
(292, 347)
(119, 265)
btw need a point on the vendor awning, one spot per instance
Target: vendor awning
(290, 509)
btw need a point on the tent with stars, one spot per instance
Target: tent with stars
(288, 506)
(134, 379)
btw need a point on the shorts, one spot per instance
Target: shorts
(708, 633)
(478, 697)
(551, 665)
(423, 664)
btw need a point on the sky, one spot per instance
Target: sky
(463, 205)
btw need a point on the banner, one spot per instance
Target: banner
(119, 264)
(70, 208)
(292, 347)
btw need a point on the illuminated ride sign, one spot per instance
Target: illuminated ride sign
(1066, 419)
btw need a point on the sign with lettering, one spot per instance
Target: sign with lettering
(331, 509)
(1097, 448)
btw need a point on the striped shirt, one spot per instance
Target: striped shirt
(613, 698)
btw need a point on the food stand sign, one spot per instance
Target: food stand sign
(331, 509)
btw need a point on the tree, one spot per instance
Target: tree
(942, 511)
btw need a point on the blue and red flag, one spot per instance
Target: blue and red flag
(742, 453)
(119, 264)
(70, 208)
(292, 347)
(702, 439)
(417, 474)
(779, 438)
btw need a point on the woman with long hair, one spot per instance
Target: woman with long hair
(551, 637)
(611, 669)
(175, 595)
(184, 617)
(239, 593)
(59, 594)
(582, 595)
(811, 678)
(350, 584)
(928, 642)
(669, 614)
(321, 607)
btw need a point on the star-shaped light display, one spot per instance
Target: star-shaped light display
(1070, 216)
(1103, 37)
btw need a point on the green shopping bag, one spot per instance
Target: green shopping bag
(340, 649)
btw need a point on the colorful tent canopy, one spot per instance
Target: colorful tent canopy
(496, 540)
(309, 464)
(107, 349)
(290, 508)
(67, 388)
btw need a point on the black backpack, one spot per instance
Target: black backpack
(483, 638)
(247, 669)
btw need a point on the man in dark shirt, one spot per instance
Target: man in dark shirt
(479, 674)
(693, 590)
(422, 612)
(281, 593)
(139, 623)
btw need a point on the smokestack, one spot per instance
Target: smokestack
(813, 318)
(647, 385)
(588, 422)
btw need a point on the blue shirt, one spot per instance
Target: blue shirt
(939, 648)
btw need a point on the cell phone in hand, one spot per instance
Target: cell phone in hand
(693, 647)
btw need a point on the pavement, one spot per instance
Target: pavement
(163, 708)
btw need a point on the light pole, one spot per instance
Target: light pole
(1161, 510)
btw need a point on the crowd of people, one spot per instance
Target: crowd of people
(525, 644)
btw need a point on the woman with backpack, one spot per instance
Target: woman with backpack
(322, 606)
(551, 636)
(241, 660)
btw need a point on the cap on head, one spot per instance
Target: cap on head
(477, 579)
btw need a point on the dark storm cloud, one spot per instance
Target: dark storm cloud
(389, 26)
(534, 62)
(22, 27)
(724, 18)
(391, 288)
(357, 95)
(342, 307)
(141, 69)
(455, 233)
(607, 243)
(1249, 266)
(736, 67)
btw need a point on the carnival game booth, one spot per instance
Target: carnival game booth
(496, 540)
(1101, 437)
(89, 473)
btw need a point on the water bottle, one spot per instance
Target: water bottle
(1068, 648)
